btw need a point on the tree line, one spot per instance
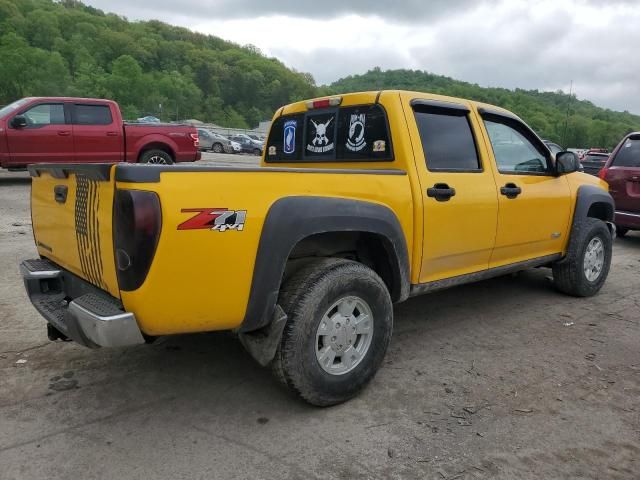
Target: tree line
(58, 48)
(66, 48)
(555, 116)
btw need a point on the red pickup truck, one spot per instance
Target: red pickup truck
(87, 130)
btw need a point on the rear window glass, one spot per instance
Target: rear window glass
(596, 158)
(92, 115)
(347, 134)
(629, 154)
(447, 141)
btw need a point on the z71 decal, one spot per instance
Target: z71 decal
(218, 219)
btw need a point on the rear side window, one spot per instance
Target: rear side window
(629, 154)
(348, 134)
(447, 141)
(92, 115)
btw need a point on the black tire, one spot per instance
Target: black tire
(257, 151)
(569, 274)
(156, 157)
(217, 148)
(306, 296)
(621, 231)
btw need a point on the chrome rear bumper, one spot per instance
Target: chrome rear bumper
(77, 309)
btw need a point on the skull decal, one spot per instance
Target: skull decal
(321, 132)
(319, 138)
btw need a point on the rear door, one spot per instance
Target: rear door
(97, 135)
(46, 138)
(623, 176)
(460, 207)
(534, 204)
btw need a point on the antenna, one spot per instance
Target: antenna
(566, 119)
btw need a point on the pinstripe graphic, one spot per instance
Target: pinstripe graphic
(88, 229)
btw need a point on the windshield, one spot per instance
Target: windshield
(13, 106)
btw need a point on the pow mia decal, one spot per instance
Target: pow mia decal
(217, 219)
(355, 140)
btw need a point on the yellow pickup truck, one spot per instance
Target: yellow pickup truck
(361, 201)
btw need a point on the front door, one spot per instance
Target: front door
(46, 138)
(534, 204)
(458, 190)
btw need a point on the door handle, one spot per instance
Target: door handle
(441, 192)
(112, 134)
(60, 193)
(64, 133)
(510, 190)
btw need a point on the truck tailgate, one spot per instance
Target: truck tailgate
(71, 210)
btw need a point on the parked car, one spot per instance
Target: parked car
(593, 162)
(149, 119)
(255, 137)
(63, 129)
(622, 173)
(210, 140)
(237, 148)
(307, 257)
(248, 144)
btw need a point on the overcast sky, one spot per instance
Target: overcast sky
(505, 43)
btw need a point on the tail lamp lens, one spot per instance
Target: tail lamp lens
(195, 138)
(603, 173)
(137, 223)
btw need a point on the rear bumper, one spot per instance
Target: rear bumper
(629, 220)
(77, 309)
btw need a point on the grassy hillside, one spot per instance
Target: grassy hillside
(67, 48)
(545, 112)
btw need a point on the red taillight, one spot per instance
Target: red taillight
(324, 103)
(196, 140)
(603, 173)
(137, 223)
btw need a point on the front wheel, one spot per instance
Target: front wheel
(583, 272)
(217, 148)
(156, 157)
(340, 319)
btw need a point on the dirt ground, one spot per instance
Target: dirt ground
(501, 379)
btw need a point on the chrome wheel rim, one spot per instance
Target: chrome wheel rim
(344, 335)
(593, 259)
(157, 159)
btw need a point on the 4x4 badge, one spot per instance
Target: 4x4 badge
(218, 219)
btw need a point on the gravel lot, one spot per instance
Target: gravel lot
(501, 379)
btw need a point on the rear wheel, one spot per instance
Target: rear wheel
(156, 157)
(340, 319)
(217, 148)
(583, 272)
(257, 151)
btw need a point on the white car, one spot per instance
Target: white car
(236, 147)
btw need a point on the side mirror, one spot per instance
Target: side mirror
(19, 121)
(567, 162)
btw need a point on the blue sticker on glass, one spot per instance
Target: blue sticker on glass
(290, 136)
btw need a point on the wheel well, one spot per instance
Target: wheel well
(601, 210)
(157, 146)
(370, 249)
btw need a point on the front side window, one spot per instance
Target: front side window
(513, 151)
(92, 115)
(447, 141)
(629, 154)
(45, 114)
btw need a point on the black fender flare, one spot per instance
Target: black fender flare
(291, 219)
(589, 195)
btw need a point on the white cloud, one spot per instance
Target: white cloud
(543, 45)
